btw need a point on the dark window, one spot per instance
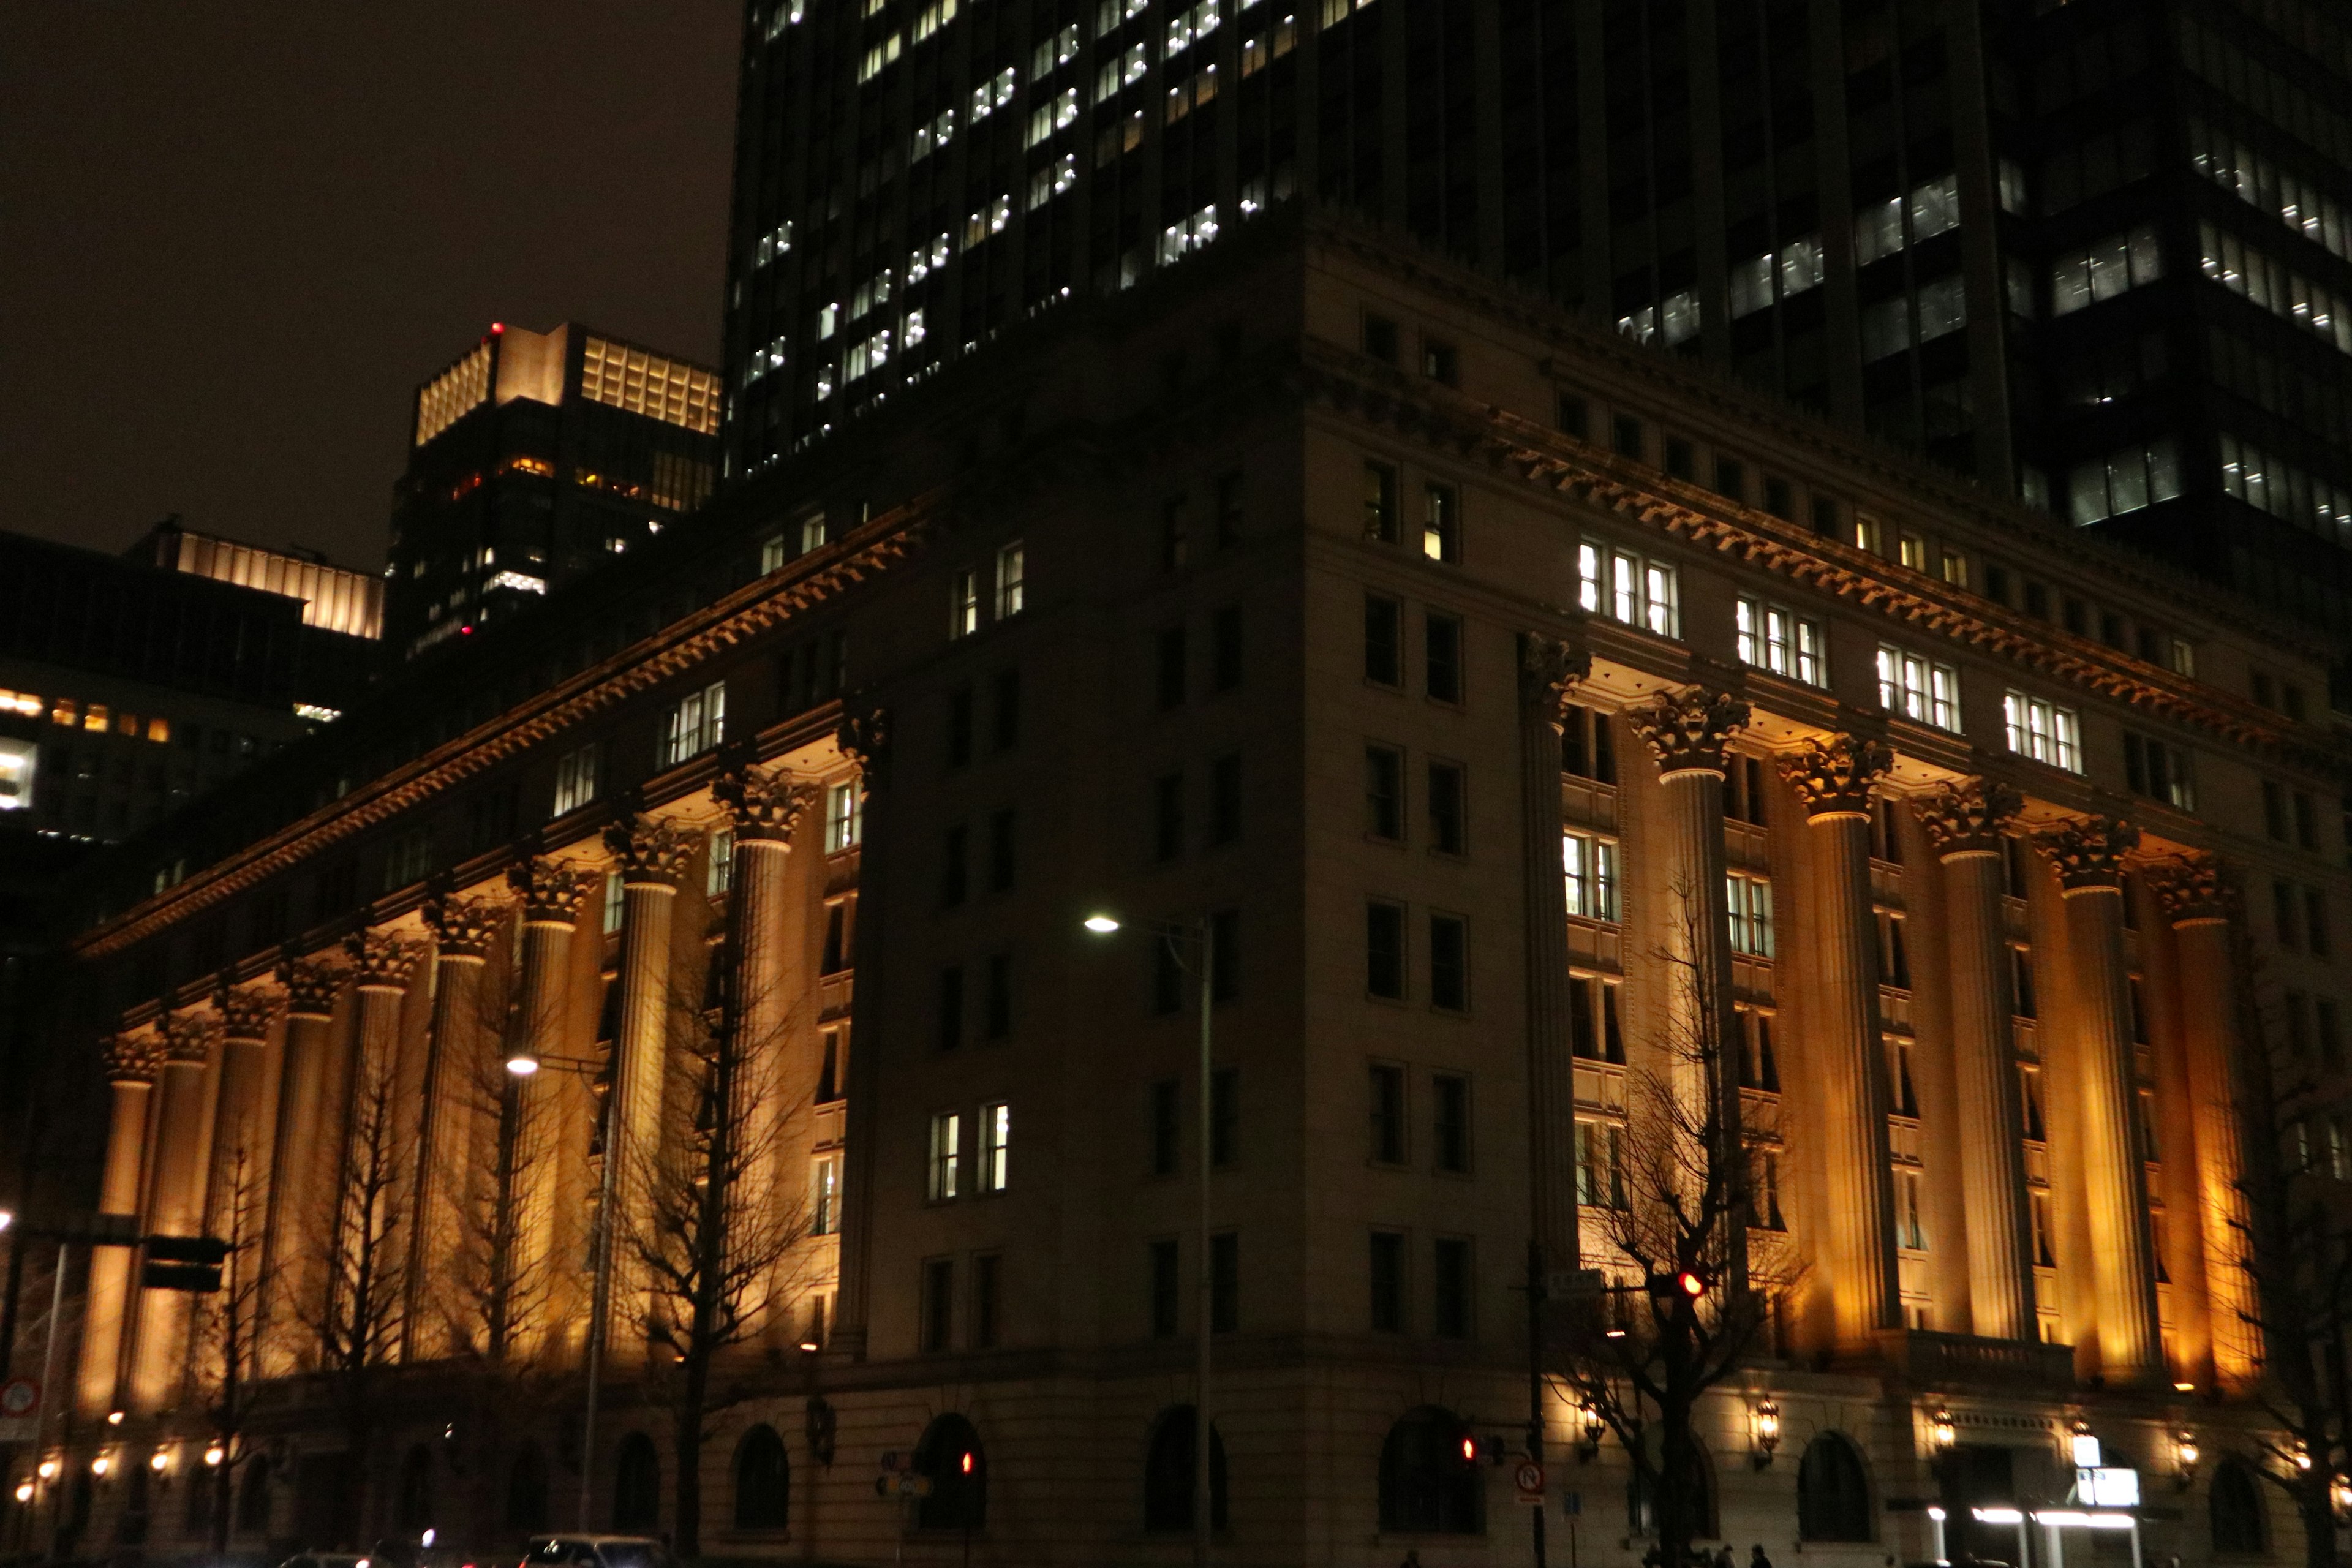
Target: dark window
(1777, 500)
(835, 957)
(1440, 362)
(1172, 667)
(1386, 1083)
(1229, 509)
(960, 727)
(987, 1279)
(1168, 816)
(636, 1484)
(999, 1001)
(1449, 962)
(2235, 1510)
(1380, 502)
(951, 1008)
(1384, 792)
(954, 877)
(2283, 912)
(1384, 950)
(2315, 921)
(762, 1481)
(1225, 955)
(1833, 1492)
(1825, 516)
(1680, 463)
(1225, 649)
(2021, 981)
(1441, 529)
(939, 1303)
(1224, 1282)
(1441, 656)
(1450, 1274)
(1450, 1095)
(1000, 839)
(1167, 979)
(1166, 1128)
(1225, 1116)
(1572, 415)
(1225, 799)
(1169, 1473)
(1380, 337)
(1447, 832)
(1008, 708)
(1731, 478)
(951, 1457)
(1588, 747)
(1387, 1282)
(828, 1074)
(1428, 1485)
(1625, 435)
(1172, 541)
(1165, 1296)
(1383, 641)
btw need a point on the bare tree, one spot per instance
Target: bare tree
(226, 1343)
(1684, 1297)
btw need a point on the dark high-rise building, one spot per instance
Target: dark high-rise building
(2093, 253)
(532, 459)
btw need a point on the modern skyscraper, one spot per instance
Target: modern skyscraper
(533, 458)
(2093, 253)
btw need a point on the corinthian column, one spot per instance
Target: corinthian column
(133, 1061)
(1833, 778)
(455, 1101)
(2196, 898)
(2088, 855)
(175, 1206)
(552, 1112)
(765, 809)
(307, 1143)
(1965, 823)
(864, 738)
(240, 1159)
(1548, 670)
(654, 856)
(375, 1169)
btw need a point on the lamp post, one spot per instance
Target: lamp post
(524, 1064)
(1174, 935)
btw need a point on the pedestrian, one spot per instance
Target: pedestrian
(1411, 1558)
(1755, 1558)
(1723, 1556)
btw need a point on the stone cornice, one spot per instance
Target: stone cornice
(1921, 604)
(749, 611)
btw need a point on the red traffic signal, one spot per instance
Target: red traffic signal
(1691, 1283)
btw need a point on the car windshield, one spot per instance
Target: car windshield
(637, 1555)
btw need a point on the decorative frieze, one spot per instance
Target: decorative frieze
(464, 927)
(133, 1056)
(2089, 853)
(1968, 817)
(246, 1011)
(553, 892)
(2193, 889)
(312, 985)
(1549, 670)
(762, 804)
(1687, 730)
(1833, 778)
(651, 850)
(381, 960)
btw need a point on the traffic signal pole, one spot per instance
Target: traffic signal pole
(1535, 1378)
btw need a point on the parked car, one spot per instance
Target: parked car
(597, 1552)
(326, 1560)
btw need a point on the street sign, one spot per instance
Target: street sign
(1529, 1480)
(19, 1397)
(1571, 1503)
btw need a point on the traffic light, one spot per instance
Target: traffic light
(183, 1263)
(1691, 1283)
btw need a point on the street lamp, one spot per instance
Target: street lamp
(1767, 1431)
(1103, 923)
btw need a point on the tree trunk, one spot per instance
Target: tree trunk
(692, 1396)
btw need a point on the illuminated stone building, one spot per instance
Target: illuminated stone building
(1445, 701)
(533, 458)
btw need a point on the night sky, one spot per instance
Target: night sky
(235, 236)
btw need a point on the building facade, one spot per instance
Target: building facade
(533, 458)
(1373, 622)
(2094, 255)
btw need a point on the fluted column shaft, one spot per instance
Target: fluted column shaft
(654, 857)
(175, 1207)
(1547, 670)
(235, 1208)
(302, 1198)
(131, 1085)
(553, 1113)
(446, 1287)
(1966, 825)
(865, 738)
(2115, 1179)
(1833, 778)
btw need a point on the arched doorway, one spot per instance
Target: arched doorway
(1698, 1491)
(1833, 1491)
(252, 1496)
(1430, 1482)
(636, 1484)
(527, 1489)
(2234, 1509)
(412, 1505)
(1169, 1472)
(764, 1481)
(950, 1455)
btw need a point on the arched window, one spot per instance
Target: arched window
(414, 1508)
(950, 1454)
(1698, 1492)
(1429, 1483)
(764, 1481)
(527, 1489)
(203, 1484)
(1833, 1491)
(636, 1484)
(1168, 1473)
(252, 1496)
(2235, 1504)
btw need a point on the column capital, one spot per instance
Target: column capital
(246, 1010)
(2194, 889)
(132, 1056)
(553, 892)
(865, 738)
(312, 985)
(650, 850)
(2089, 853)
(1832, 777)
(1549, 669)
(381, 960)
(464, 927)
(188, 1038)
(1968, 817)
(763, 805)
(1687, 730)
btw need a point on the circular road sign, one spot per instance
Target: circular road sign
(19, 1397)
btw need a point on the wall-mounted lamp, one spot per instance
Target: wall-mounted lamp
(2084, 1447)
(114, 1419)
(214, 1455)
(49, 1468)
(1588, 1444)
(1942, 1430)
(2339, 1492)
(100, 1466)
(2186, 1456)
(1767, 1432)
(2302, 1456)
(25, 1491)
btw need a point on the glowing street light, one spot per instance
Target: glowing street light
(1101, 924)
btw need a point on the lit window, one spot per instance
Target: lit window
(94, 717)
(1600, 1164)
(2103, 270)
(1629, 588)
(695, 725)
(946, 1156)
(1919, 687)
(719, 865)
(2127, 480)
(963, 603)
(844, 818)
(2042, 731)
(825, 1197)
(1749, 900)
(575, 779)
(1011, 592)
(615, 901)
(1590, 865)
(2159, 771)
(995, 1147)
(1441, 530)
(1780, 641)
(1910, 1232)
